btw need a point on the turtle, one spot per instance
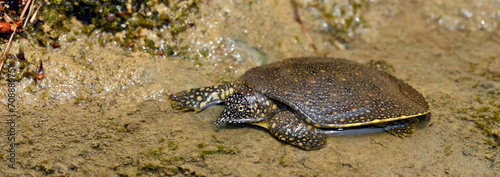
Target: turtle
(302, 100)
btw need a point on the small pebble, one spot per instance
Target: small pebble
(20, 56)
(56, 45)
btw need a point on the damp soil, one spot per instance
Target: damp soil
(101, 110)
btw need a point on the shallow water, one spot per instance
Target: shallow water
(102, 110)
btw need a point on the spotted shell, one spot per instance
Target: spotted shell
(336, 93)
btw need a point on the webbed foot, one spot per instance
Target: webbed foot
(401, 128)
(381, 65)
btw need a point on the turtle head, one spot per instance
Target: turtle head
(247, 106)
(200, 98)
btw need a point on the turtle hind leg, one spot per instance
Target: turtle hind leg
(401, 128)
(200, 98)
(381, 65)
(287, 127)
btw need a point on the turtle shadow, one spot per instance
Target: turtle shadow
(239, 126)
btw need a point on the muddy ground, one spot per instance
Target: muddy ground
(102, 110)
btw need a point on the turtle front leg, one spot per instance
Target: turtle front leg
(200, 98)
(289, 128)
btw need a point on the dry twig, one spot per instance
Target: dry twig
(297, 18)
(12, 36)
(34, 15)
(496, 73)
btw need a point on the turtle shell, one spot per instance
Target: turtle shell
(336, 93)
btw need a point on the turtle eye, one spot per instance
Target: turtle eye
(241, 108)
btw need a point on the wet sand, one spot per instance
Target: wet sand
(102, 110)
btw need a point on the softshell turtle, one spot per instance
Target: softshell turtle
(300, 100)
